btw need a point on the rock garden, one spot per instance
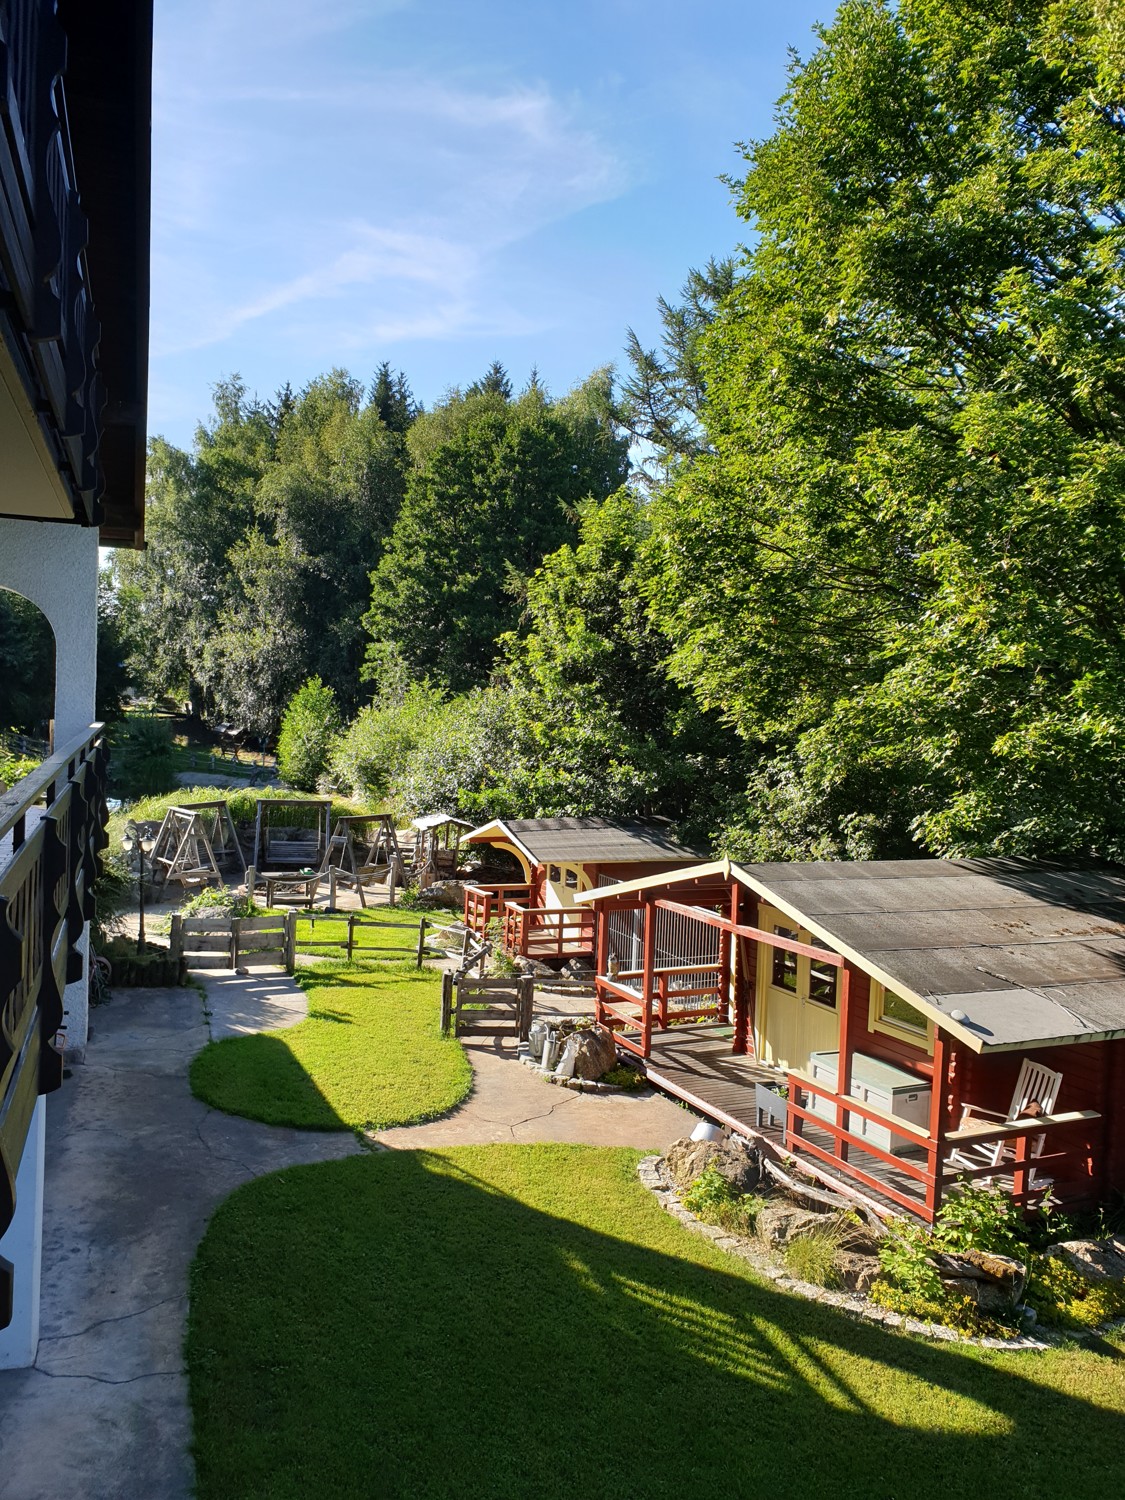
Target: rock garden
(981, 1272)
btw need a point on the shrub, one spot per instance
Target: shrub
(624, 1077)
(716, 1201)
(949, 1312)
(1062, 1297)
(14, 766)
(218, 901)
(142, 758)
(815, 1257)
(374, 749)
(113, 895)
(310, 724)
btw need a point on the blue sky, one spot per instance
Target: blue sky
(440, 183)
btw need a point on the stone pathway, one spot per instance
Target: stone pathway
(511, 1102)
(135, 1168)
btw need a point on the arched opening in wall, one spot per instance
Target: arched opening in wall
(27, 685)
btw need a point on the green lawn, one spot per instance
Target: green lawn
(524, 1321)
(391, 928)
(370, 1055)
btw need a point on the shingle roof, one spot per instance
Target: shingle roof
(587, 840)
(1026, 952)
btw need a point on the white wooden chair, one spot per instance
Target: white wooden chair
(1036, 1085)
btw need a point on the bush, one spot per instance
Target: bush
(113, 895)
(155, 966)
(716, 1201)
(815, 1257)
(308, 728)
(624, 1077)
(218, 901)
(374, 749)
(142, 757)
(14, 766)
(1062, 1297)
(971, 1218)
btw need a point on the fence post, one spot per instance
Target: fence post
(446, 1002)
(421, 940)
(176, 941)
(291, 942)
(251, 882)
(235, 930)
(331, 887)
(458, 986)
(392, 882)
(526, 1005)
(351, 935)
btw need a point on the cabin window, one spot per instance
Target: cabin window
(785, 964)
(895, 1015)
(572, 880)
(822, 982)
(554, 874)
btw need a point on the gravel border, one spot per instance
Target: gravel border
(650, 1170)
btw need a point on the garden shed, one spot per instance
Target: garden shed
(558, 859)
(893, 1024)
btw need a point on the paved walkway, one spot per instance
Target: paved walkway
(135, 1168)
(511, 1102)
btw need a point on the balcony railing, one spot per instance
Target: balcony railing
(917, 1182)
(52, 824)
(43, 234)
(547, 931)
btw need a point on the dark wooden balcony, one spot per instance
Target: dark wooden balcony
(52, 824)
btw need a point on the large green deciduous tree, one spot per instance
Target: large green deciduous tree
(493, 488)
(261, 543)
(899, 570)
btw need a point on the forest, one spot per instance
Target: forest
(834, 571)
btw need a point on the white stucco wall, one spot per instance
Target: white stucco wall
(56, 567)
(22, 1245)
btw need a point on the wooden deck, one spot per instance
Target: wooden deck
(696, 1064)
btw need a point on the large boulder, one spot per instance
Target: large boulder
(780, 1221)
(593, 1050)
(1095, 1260)
(735, 1159)
(858, 1272)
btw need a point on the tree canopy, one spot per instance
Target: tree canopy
(898, 570)
(492, 488)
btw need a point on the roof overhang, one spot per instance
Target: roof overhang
(1052, 1024)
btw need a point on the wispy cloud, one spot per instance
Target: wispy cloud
(376, 202)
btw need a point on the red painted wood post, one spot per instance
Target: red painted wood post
(601, 960)
(727, 945)
(935, 1151)
(844, 1061)
(647, 965)
(1020, 1172)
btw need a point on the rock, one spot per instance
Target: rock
(1096, 1260)
(594, 1052)
(994, 1282)
(533, 966)
(734, 1158)
(779, 1222)
(857, 1272)
(447, 894)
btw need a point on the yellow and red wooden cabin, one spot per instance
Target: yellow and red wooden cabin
(888, 1008)
(553, 861)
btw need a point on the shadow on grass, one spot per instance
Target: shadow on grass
(525, 1322)
(258, 1078)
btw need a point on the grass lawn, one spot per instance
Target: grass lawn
(393, 928)
(524, 1321)
(369, 1056)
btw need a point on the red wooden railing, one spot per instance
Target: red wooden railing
(930, 1171)
(483, 902)
(547, 932)
(623, 1007)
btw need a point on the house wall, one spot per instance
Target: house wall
(56, 567)
(1093, 1077)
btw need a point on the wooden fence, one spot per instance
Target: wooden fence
(207, 942)
(487, 1007)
